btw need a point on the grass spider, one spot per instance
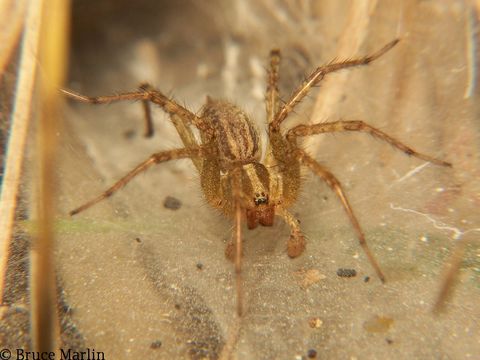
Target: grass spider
(228, 158)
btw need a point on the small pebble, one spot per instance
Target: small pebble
(199, 266)
(172, 203)
(67, 309)
(156, 344)
(138, 240)
(315, 322)
(129, 134)
(342, 272)
(366, 279)
(312, 354)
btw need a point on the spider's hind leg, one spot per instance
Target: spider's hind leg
(152, 160)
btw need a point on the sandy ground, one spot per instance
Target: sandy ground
(140, 280)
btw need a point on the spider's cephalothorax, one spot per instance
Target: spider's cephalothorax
(228, 157)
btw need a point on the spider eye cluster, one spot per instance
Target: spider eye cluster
(260, 199)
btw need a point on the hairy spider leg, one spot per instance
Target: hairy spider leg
(182, 126)
(237, 199)
(335, 185)
(316, 76)
(146, 94)
(358, 125)
(296, 243)
(272, 103)
(156, 158)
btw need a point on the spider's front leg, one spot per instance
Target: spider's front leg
(272, 98)
(317, 76)
(236, 188)
(226, 195)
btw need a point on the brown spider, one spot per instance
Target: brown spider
(233, 178)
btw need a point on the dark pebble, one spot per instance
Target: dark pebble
(156, 344)
(172, 203)
(129, 134)
(342, 272)
(67, 309)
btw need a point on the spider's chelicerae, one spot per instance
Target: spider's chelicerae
(228, 157)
